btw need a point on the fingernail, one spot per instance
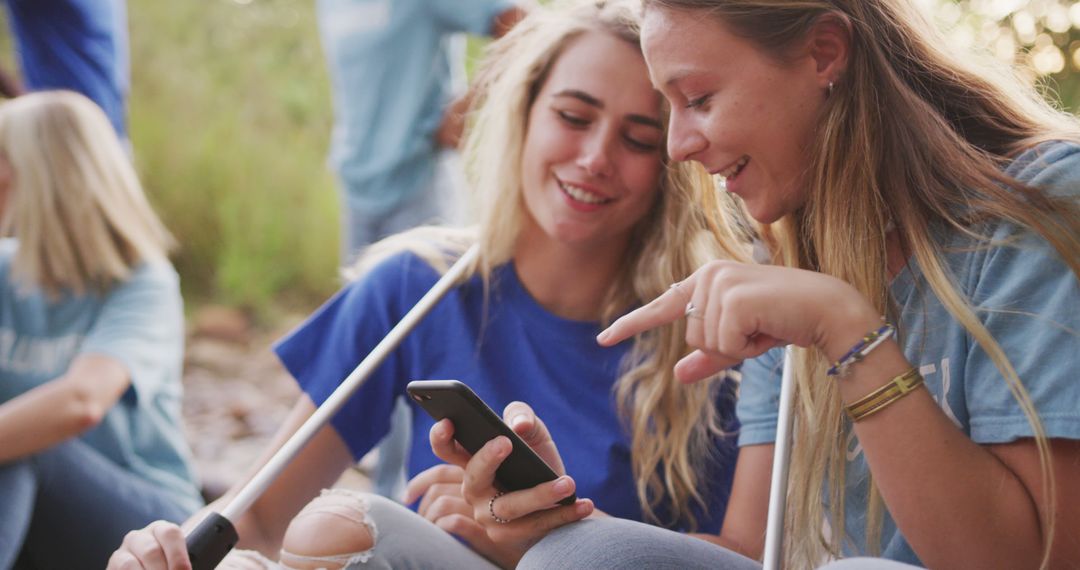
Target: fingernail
(583, 508)
(602, 337)
(562, 486)
(516, 420)
(502, 446)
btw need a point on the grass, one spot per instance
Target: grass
(230, 118)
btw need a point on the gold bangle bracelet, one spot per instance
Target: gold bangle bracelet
(881, 398)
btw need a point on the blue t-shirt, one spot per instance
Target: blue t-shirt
(1028, 299)
(139, 323)
(79, 45)
(509, 349)
(391, 78)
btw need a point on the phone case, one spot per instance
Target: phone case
(475, 424)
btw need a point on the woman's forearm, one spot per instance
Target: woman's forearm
(957, 504)
(60, 409)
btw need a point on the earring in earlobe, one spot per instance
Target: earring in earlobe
(829, 90)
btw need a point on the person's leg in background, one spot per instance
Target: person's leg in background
(70, 507)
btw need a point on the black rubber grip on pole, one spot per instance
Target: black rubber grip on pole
(210, 542)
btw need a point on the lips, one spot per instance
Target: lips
(583, 195)
(732, 170)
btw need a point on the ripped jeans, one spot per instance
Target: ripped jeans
(343, 529)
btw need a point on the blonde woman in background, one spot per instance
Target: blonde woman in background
(581, 219)
(892, 179)
(91, 342)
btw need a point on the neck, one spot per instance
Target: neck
(570, 282)
(897, 253)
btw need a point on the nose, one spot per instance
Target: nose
(595, 155)
(684, 140)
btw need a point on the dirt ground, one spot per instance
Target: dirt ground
(236, 394)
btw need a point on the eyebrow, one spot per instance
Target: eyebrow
(594, 102)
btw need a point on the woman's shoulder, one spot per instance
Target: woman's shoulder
(1052, 166)
(395, 271)
(157, 274)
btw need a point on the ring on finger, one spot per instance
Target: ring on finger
(677, 286)
(693, 312)
(491, 508)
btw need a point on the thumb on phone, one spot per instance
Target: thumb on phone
(531, 429)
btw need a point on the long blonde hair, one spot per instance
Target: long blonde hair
(75, 205)
(671, 426)
(935, 157)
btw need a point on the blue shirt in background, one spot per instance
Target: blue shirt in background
(1023, 293)
(509, 349)
(79, 45)
(391, 79)
(139, 323)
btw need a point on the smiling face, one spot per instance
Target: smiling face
(591, 160)
(736, 110)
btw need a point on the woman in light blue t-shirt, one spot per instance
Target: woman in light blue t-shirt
(923, 221)
(91, 342)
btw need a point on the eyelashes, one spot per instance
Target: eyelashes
(579, 122)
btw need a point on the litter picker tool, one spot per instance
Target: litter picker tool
(774, 526)
(215, 536)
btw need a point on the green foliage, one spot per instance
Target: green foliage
(230, 118)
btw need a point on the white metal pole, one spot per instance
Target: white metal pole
(259, 483)
(774, 528)
(215, 536)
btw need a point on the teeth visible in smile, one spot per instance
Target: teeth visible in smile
(582, 195)
(734, 168)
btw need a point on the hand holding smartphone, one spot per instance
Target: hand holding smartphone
(475, 424)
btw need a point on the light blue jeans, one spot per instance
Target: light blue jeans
(617, 543)
(70, 507)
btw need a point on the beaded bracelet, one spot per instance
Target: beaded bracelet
(884, 396)
(861, 349)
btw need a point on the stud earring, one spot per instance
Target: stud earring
(829, 90)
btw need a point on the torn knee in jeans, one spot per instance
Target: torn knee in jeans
(332, 532)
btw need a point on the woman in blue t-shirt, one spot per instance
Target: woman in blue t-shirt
(889, 178)
(581, 218)
(91, 342)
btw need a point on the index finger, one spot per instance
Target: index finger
(443, 445)
(669, 307)
(480, 471)
(442, 473)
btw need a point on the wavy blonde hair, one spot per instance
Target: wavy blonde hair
(75, 204)
(935, 157)
(671, 426)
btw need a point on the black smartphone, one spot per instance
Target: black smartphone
(476, 424)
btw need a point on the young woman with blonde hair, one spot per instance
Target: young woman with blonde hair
(580, 220)
(91, 342)
(923, 219)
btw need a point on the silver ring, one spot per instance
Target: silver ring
(692, 311)
(491, 508)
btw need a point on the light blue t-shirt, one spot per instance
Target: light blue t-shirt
(138, 322)
(391, 78)
(1028, 299)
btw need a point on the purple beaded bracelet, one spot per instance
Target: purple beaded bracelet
(861, 349)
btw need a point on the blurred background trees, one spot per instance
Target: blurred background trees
(230, 119)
